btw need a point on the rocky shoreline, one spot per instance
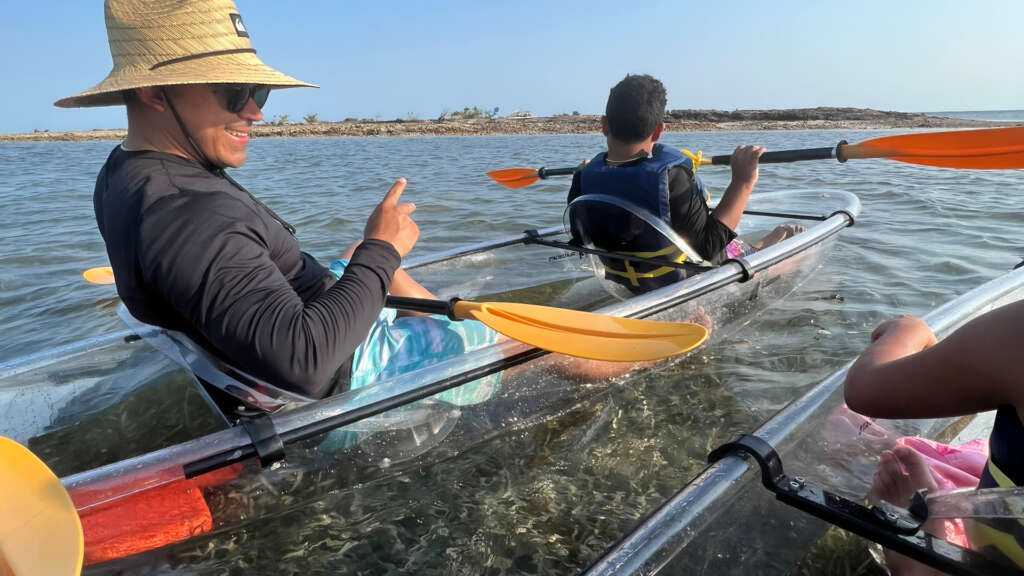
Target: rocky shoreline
(822, 118)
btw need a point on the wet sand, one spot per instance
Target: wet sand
(824, 118)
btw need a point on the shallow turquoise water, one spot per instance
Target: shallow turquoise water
(551, 496)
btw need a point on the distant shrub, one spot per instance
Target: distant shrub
(465, 114)
(575, 113)
(310, 118)
(411, 117)
(351, 119)
(279, 120)
(468, 113)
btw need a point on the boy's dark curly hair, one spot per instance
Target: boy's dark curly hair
(636, 106)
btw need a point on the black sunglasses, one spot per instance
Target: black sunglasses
(236, 96)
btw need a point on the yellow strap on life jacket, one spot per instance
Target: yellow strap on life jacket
(634, 276)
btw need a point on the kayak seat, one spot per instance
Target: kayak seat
(645, 253)
(397, 435)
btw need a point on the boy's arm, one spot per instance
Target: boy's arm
(744, 176)
(691, 218)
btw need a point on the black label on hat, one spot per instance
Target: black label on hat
(236, 19)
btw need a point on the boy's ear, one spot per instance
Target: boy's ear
(604, 125)
(657, 132)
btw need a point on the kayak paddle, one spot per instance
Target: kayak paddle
(523, 177)
(571, 332)
(102, 275)
(986, 149)
(40, 532)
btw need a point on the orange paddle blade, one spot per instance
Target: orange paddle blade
(988, 149)
(514, 177)
(103, 275)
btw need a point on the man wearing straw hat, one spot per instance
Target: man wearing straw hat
(192, 250)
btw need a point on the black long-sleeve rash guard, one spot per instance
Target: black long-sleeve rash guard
(194, 251)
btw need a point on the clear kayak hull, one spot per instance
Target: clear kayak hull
(724, 522)
(96, 383)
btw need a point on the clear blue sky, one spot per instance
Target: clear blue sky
(391, 59)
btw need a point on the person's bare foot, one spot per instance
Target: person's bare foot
(901, 472)
(779, 234)
(702, 318)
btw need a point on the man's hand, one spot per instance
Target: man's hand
(391, 222)
(744, 165)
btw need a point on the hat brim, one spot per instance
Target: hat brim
(243, 68)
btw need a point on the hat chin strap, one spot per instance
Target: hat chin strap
(181, 125)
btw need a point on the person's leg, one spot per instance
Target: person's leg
(346, 255)
(902, 472)
(401, 284)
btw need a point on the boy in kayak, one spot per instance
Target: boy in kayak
(905, 373)
(659, 181)
(192, 250)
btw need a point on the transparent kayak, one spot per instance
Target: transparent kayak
(724, 522)
(119, 419)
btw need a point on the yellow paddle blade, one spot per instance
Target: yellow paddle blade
(988, 149)
(585, 334)
(103, 275)
(40, 532)
(514, 177)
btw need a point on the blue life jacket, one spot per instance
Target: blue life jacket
(642, 187)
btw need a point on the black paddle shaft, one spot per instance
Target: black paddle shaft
(424, 305)
(777, 157)
(545, 173)
(792, 155)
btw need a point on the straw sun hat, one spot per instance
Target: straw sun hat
(166, 42)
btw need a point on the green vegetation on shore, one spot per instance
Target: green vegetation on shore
(477, 122)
